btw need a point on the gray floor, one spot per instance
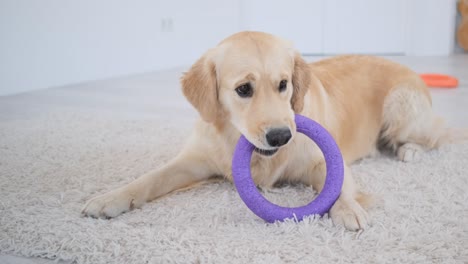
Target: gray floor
(131, 95)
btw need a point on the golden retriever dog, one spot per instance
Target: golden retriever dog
(253, 83)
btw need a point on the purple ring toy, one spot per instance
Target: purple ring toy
(271, 212)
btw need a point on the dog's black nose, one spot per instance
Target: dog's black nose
(277, 137)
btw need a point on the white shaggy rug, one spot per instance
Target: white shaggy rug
(59, 147)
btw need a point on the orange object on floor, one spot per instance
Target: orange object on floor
(439, 80)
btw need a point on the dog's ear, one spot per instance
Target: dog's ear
(301, 81)
(199, 86)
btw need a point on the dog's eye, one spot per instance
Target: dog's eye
(244, 90)
(283, 85)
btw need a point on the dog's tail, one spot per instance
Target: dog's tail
(454, 135)
(442, 135)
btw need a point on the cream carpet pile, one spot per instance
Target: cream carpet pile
(59, 147)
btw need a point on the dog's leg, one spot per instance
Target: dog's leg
(429, 134)
(184, 170)
(348, 209)
(409, 125)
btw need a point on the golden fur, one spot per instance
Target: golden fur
(363, 101)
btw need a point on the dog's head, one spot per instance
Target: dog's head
(256, 82)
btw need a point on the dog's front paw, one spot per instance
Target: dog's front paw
(350, 214)
(109, 205)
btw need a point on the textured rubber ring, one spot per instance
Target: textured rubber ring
(271, 212)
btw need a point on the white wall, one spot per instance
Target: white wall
(47, 43)
(364, 26)
(54, 42)
(328, 27)
(300, 22)
(431, 27)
